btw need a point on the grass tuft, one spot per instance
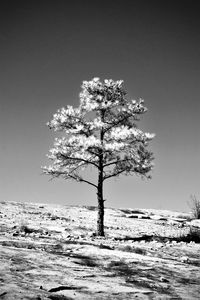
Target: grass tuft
(192, 236)
(195, 207)
(128, 248)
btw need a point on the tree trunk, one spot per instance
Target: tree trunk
(100, 218)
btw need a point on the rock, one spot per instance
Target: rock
(163, 279)
(172, 222)
(3, 294)
(159, 245)
(144, 217)
(137, 211)
(181, 225)
(158, 217)
(138, 216)
(91, 234)
(180, 220)
(132, 211)
(184, 259)
(195, 223)
(103, 246)
(16, 233)
(174, 242)
(135, 216)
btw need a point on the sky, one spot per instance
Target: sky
(47, 48)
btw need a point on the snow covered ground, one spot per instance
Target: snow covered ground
(51, 252)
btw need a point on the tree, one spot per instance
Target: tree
(101, 133)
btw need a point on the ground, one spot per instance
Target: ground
(52, 252)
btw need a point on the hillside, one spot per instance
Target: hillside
(51, 252)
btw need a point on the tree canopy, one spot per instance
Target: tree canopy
(105, 124)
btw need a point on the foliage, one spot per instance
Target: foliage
(128, 248)
(104, 110)
(193, 235)
(195, 207)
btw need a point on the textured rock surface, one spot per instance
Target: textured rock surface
(195, 223)
(51, 252)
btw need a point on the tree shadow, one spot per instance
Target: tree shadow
(155, 278)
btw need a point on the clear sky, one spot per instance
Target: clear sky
(47, 48)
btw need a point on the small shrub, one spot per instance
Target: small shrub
(120, 268)
(90, 207)
(59, 297)
(195, 207)
(79, 227)
(25, 228)
(192, 236)
(102, 246)
(139, 250)
(128, 248)
(3, 202)
(86, 261)
(132, 211)
(89, 262)
(186, 216)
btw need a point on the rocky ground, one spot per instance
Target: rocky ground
(51, 252)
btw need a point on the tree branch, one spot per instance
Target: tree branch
(58, 173)
(80, 159)
(114, 174)
(83, 180)
(118, 121)
(116, 161)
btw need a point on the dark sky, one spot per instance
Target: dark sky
(47, 48)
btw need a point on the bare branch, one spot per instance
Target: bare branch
(79, 179)
(88, 182)
(117, 161)
(76, 178)
(79, 159)
(114, 174)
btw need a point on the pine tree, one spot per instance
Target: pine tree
(102, 133)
